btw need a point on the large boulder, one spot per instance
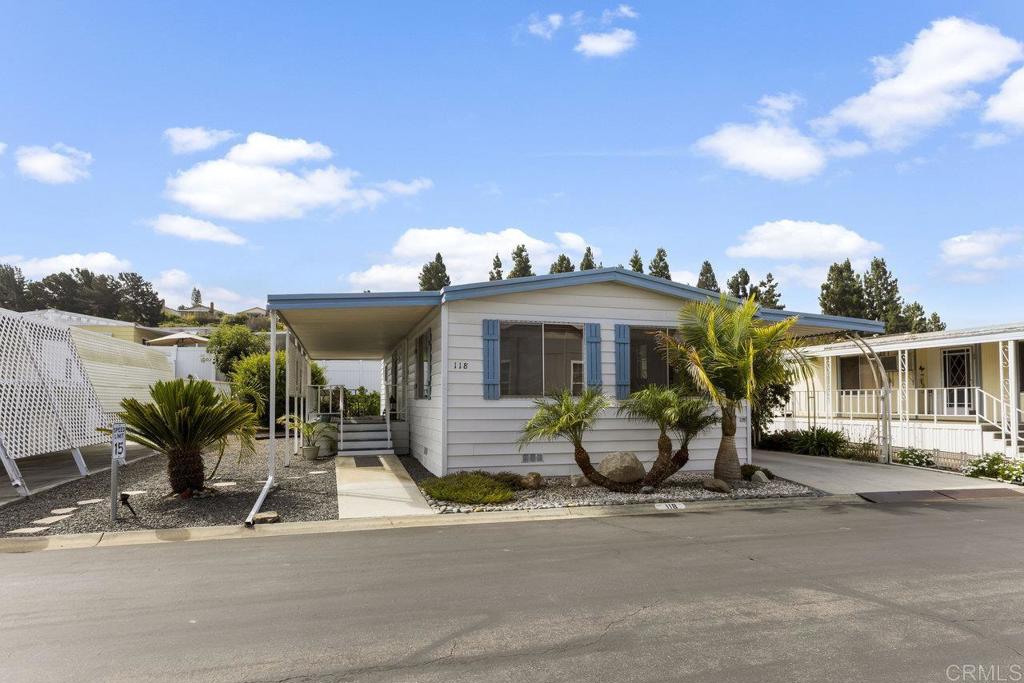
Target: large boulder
(759, 477)
(623, 467)
(578, 481)
(717, 485)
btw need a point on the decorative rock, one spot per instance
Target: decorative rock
(759, 478)
(623, 467)
(91, 501)
(646, 489)
(136, 492)
(578, 481)
(29, 530)
(532, 481)
(47, 521)
(318, 471)
(268, 517)
(716, 485)
(224, 484)
(63, 511)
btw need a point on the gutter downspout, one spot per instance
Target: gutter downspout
(272, 412)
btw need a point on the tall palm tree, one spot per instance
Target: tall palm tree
(564, 416)
(727, 353)
(669, 410)
(184, 418)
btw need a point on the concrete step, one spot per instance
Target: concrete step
(365, 436)
(364, 427)
(369, 451)
(358, 446)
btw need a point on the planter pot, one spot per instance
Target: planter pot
(310, 452)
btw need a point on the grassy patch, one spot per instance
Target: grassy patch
(468, 487)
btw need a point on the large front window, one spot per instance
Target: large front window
(647, 363)
(540, 359)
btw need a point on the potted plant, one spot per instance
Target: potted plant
(313, 434)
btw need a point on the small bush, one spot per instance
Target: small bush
(820, 441)
(748, 471)
(914, 456)
(468, 487)
(859, 451)
(778, 441)
(996, 466)
(510, 479)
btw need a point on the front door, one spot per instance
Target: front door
(956, 374)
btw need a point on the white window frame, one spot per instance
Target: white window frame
(502, 382)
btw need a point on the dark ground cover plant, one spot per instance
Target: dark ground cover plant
(469, 488)
(748, 471)
(820, 441)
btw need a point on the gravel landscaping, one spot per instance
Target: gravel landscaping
(305, 491)
(684, 486)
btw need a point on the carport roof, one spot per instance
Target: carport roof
(368, 324)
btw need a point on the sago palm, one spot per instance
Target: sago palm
(727, 353)
(564, 416)
(184, 418)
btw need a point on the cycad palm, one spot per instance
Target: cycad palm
(564, 416)
(728, 353)
(184, 418)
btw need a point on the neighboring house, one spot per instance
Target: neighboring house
(201, 310)
(955, 391)
(255, 311)
(119, 329)
(463, 366)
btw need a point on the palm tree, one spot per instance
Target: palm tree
(669, 410)
(185, 418)
(564, 416)
(728, 354)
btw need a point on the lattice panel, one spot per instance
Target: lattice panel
(47, 402)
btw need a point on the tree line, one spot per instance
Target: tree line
(875, 295)
(125, 296)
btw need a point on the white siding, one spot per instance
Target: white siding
(353, 373)
(482, 433)
(423, 415)
(119, 369)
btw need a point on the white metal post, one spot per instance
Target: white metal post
(1004, 391)
(287, 395)
(13, 473)
(1014, 399)
(272, 410)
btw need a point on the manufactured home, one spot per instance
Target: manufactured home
(461, 367)
(955, 392)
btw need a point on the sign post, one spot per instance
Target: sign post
(117, 458)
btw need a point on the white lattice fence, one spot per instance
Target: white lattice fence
(47, 402)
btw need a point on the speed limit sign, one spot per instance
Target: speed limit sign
(117, 438)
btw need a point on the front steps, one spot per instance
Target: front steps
(365, 437)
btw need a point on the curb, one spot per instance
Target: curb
(221, 533)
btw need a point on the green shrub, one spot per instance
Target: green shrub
(996, 466)
(859, 451)
(361, 403)
(781, 440)
(914, 456)
(474, 488)
(510, 479)
(230, 343)
(748, 471)
(820, 441)
(250, 381)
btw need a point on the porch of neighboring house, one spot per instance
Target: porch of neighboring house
(956, 393)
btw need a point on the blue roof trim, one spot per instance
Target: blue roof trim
(284, 302)
(477, 290)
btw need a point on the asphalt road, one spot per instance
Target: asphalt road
(843, 593)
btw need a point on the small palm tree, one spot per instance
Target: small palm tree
(669, 410)
(564, 416)
(728, 354)
(184, 418)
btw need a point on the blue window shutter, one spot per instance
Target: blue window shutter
(492, 332)
(592, 336)
(621, 361)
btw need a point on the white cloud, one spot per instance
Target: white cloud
(802, 275)
(773, 150)
(610, 44)
(847, 148)
(247, 184)
(262, 149)
(188, 140)
(983, 249)
(467, 255)
(194, 229)
(802, 240)
(620, 12)
(988, 139)
(926, 83)
(544, 27)
(3, 147)
(98, 262)
(175, 288)
(778, 107)
(1007, 105)
(55, 165)
(685, 276)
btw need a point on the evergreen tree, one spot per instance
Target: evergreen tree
(739, 284)
(842, 293)
(882, 300)
(495, 273)
(521, 266)
(913, 318)
(434, 275)
(562, 264)
(13, 288)
(935, 323)
(197, 297)
(767, 293)
(659, 265)
(706, 279)
(636, 264)
(139, 302)
(587, 262)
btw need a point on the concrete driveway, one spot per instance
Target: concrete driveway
(833, 475)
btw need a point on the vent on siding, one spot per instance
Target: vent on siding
(533, 457)
(425, 450)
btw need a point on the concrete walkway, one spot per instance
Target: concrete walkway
(386, 491)
(833, 475)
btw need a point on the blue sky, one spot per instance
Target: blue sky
(251, 148)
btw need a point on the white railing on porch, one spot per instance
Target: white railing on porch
(960, 403)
